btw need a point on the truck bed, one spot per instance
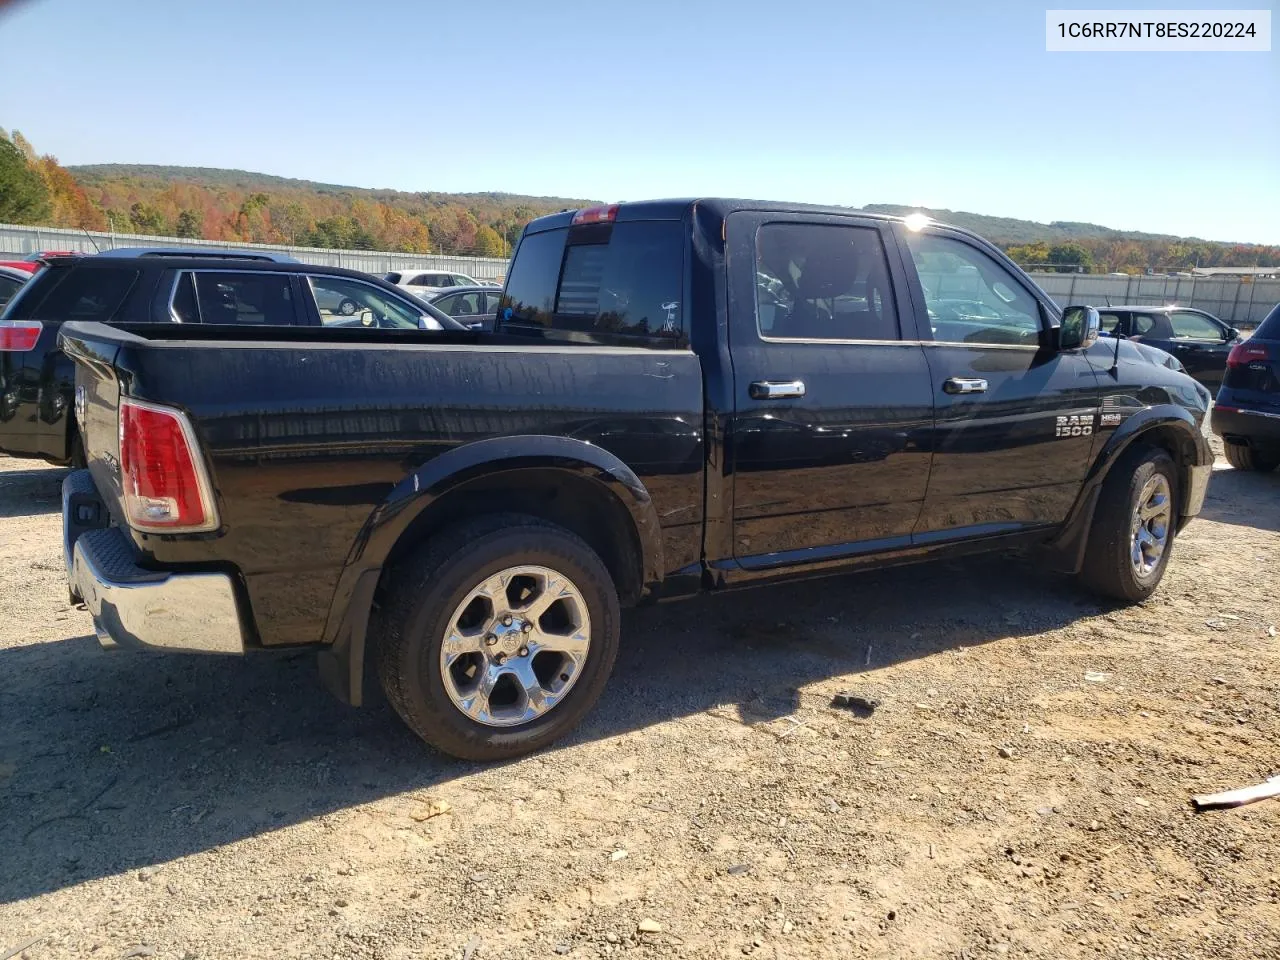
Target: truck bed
(311, 435)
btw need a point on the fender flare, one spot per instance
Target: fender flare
(1070, 544)
(351, 606)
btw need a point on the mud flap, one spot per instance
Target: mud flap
(342, 665)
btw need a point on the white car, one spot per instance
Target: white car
(423, 283)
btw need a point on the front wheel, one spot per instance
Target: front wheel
(347, 307)
(1133, 526)
(496, 637)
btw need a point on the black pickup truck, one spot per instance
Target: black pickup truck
(679, 396)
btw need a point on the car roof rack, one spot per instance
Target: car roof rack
(200, 253)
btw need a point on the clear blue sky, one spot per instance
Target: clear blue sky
(947, 104)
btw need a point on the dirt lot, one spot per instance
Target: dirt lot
(208, 808)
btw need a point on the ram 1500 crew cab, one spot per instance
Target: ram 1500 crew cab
(678, 396)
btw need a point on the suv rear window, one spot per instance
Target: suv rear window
(86, 294)
(1269, 329)
(624, 280)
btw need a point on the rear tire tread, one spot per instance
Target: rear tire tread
(421, 582)
(1242, 456)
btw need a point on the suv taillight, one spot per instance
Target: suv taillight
(162, 478)
(19, 335)
(1245, 353)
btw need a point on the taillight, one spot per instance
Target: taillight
(163, 480)
(19, 335)
(596, 215)
(1245, 353)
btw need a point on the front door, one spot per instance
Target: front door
(831, 390)
(1014, 423)
(1202, 343)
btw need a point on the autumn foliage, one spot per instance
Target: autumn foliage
(235, 205)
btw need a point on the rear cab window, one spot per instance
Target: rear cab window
(600, 279)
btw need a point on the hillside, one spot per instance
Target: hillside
(239, 205)
(217, 204)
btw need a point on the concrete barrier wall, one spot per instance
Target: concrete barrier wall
(1236, 301)
(24, 240)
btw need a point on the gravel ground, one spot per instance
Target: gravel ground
(1022, 790)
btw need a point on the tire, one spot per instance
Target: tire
(421, 603)
(347, 307)
(1244, 457)
(1109, 568)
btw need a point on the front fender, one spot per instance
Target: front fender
(1196, 459)
(1143, 422)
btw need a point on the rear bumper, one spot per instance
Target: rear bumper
(1244, 423)
(144, 609)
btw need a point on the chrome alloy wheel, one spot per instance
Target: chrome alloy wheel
(1152, 518)
(515, 646)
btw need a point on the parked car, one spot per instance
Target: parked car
(475, 511)
(1199, 340)
(423, 283)
(26, 266)
(1247, 412)
(10, 281)
(472, 306)
(166, 286)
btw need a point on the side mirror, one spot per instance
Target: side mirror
(1080, 328)
(1232, 335)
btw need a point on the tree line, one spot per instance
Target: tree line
(234, 205)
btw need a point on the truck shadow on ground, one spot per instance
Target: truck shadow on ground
(1243, 498)
(110, 762)
(30, 493)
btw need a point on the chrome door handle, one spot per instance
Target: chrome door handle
(776, 389)
(962, 385)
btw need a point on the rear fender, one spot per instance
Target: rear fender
(342, 663)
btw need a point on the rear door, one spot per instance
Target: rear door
(1202, 343)
(1014, 423)
(832, 397)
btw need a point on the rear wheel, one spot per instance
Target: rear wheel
(347, 307)
(1133, 526)
(497, 636)
(1244, 457)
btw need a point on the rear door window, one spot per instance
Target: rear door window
(260, 299)
(625, 279)
(87, 294)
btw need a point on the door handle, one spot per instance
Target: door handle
(962, 385)
(776, 389)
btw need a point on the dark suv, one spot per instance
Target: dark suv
(1247, 413)
(167, 286)
(1199, 340)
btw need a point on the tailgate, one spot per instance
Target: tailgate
(94, 348)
